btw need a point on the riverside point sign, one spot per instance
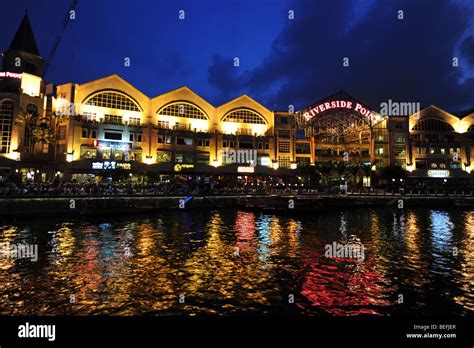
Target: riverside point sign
(337, 104)
(10, 74)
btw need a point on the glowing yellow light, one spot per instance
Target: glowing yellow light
(275, 165)
(31, 84)
(293, 166)
(216, 163)
(410, 167)
(229, 128)
(69, 157)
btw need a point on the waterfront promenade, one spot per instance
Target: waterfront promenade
(289, 202)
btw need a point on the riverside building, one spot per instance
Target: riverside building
(78, 131)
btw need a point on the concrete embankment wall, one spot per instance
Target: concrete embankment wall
(137, 204)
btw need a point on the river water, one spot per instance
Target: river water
(232, 262)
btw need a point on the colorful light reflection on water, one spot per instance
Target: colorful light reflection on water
(239, 262)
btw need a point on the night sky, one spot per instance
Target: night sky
(282, 61)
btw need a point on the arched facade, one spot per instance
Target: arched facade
(437, 141)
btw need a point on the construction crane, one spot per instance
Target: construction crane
(59, 36)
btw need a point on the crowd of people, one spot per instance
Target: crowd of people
(226, 187)
(124, 188)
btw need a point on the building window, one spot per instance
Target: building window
(183, 158)
(113, 119)
(203, 158)
(163, 124)
(303, 148)
(134, 121)
(420, 164)
(163, 156)
(84, 133)
(204, 142)
(31, 109)
(398, 125)
(88, 153)
(399, 137)
(118, 154)
(399, 150)
(284, 146)
(284, 133)
(136, 137)
(112, 135)
(432, 124)
(90, 116)
(244, 116)
(302, 161)
(94, 133)
(455, 165)
(6, 117)
(284, 161)
(245, 145)
(105, 154)
(284, 119)
(113, 100)
(161, 139)
(181, 109)
(184, 141)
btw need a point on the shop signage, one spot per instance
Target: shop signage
(337, 104)
(10, 74)
(115, 145)
(179, 167)
(111, 165)
(438, 173)
(245, 169)
(265, 161)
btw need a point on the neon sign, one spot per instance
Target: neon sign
(111, 165)
(10, 74)
(178, 167)
(438, 173)
(245, 169)
(337, 104)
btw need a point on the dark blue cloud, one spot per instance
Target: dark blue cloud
(467, 50)
(407, 60)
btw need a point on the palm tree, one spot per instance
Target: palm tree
(36, 130)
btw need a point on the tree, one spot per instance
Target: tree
(36, 130)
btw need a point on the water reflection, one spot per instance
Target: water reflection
(232, 262)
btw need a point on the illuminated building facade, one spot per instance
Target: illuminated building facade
(107, 124)
(109, 120)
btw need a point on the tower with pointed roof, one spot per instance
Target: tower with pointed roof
(23, 54)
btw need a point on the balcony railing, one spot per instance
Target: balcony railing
(82, 118)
